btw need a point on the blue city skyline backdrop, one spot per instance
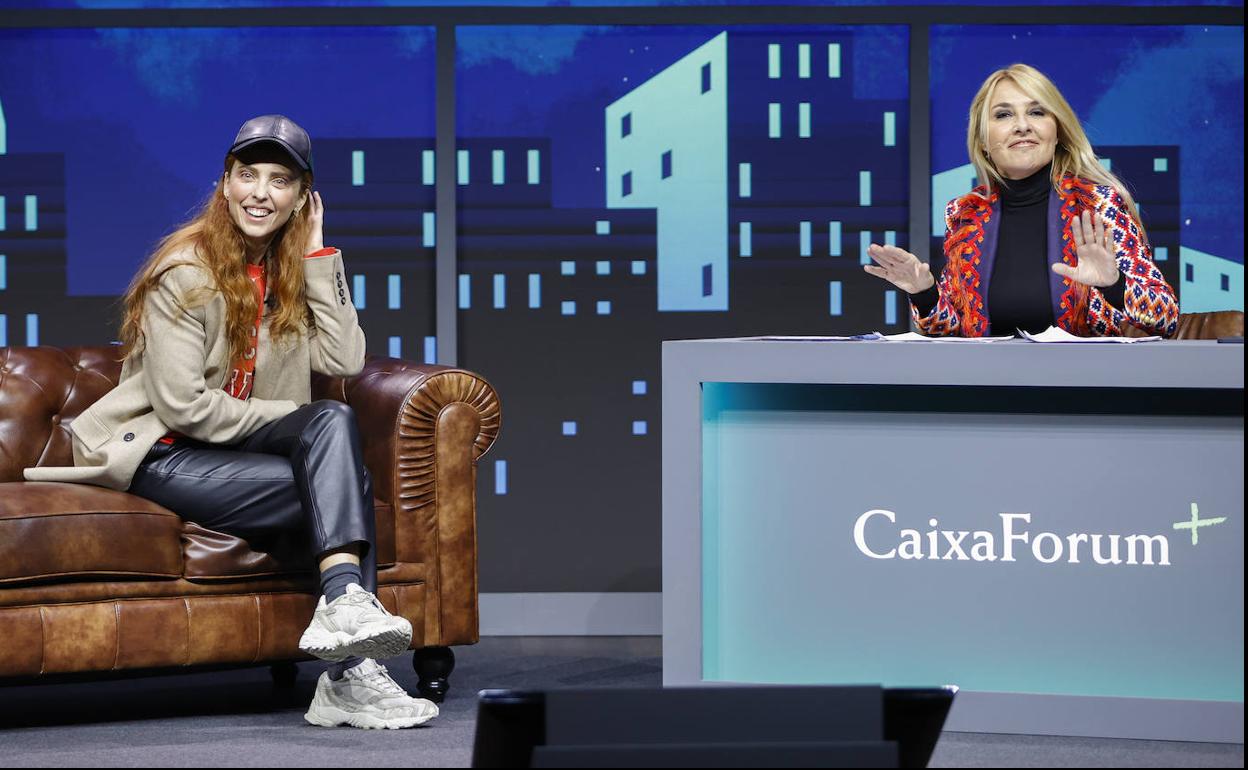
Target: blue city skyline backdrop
(514, 81)
(183, 92)
(144, 117)
(705, 182)
(559, 283)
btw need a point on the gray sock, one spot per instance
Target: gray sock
(338, 669)
(334, 581)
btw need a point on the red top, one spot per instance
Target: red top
(243, 374)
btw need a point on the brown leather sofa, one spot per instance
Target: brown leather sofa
(94, 580)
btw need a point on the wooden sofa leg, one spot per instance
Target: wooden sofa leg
(284, 673)
(433, 665)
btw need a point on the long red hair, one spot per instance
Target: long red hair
(211, 240)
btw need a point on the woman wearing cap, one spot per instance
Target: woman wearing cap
(222, 329)
(1051, 238)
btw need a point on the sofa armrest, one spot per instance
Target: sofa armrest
(423, 428)
(1200, 326)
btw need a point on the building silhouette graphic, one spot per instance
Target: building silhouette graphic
(34, 305)
(379, 210)
(763, 165)
(741, 184)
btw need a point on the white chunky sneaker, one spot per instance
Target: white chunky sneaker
(355, 624)
(366, 697)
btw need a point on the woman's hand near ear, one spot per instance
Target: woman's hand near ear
(314, 210)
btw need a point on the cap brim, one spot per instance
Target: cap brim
(249, 143)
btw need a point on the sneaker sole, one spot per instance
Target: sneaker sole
(328, 716)
(338, 647)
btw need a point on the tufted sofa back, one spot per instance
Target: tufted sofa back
(41, 391)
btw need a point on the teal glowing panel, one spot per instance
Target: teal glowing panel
(498, 165)
(818, 567)
(429, 237)
(500, 291)
(500, 477)
(394, 292)
(535, 291)
(427, 168)
(535, 166)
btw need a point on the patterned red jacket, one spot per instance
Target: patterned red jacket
(971, 223)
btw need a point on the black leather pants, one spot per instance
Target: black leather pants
(300, 476)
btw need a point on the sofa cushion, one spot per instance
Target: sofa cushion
(54, 532)
(215, 556)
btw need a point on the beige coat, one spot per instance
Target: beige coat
(176, 382)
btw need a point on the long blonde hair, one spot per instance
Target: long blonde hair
(1073, 154)
(217, 245)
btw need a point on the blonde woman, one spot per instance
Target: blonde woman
(1050, 237)
(223, 327)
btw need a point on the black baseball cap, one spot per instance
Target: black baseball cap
(279, 130)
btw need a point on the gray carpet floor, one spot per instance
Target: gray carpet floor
(238, 718)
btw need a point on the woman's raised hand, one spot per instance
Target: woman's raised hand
(1097, 264)
(900, 268)
(316, 218)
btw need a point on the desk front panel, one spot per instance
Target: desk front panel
(1015, 541)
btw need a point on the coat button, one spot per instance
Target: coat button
(128, 437)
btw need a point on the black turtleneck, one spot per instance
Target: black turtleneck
(1018, 291)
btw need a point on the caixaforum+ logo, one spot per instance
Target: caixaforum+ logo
(877, 536)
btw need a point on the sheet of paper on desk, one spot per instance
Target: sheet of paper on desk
(1054, 334)
(916, 337)
(851, 338)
